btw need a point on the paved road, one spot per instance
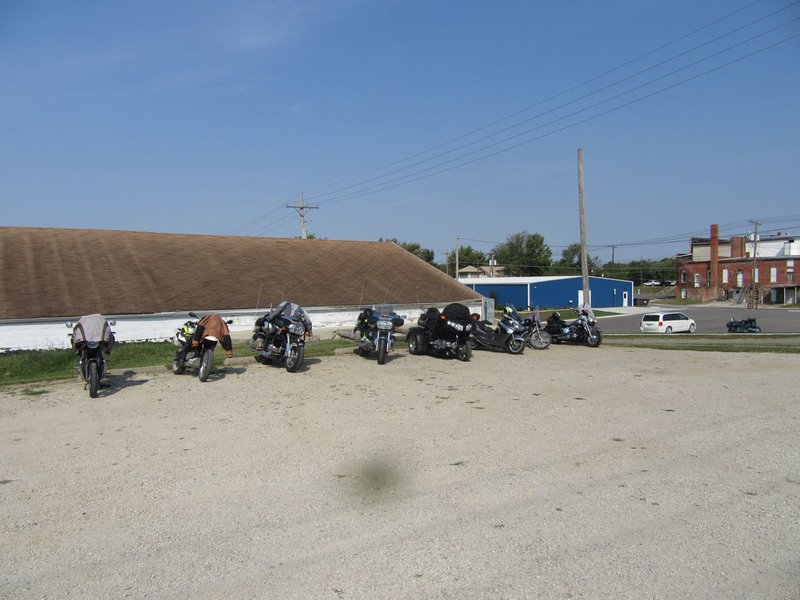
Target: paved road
(710, 318)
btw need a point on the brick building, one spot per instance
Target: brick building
(741, 268)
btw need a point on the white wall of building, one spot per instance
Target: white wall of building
(46, 334)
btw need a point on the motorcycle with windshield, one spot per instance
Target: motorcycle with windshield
(375, 331)
(743, 326)
(583, 330)
(508, 335)
(445, 333)
(196, 340)
(280, 336)
(92, 338)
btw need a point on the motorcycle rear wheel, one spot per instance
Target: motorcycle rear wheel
(206, 362)
(381, 351)
(294, 360)
(93, 379)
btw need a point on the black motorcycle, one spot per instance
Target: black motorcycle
(92, 338)
(583, 330)
(743, 326)
(534, 332)
(508, 335)
(189, 357)
(445, 333)
(280, 336)
(376, 330)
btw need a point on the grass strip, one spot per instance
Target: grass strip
(30, 366)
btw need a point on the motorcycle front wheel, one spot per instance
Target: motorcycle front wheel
(413, 343)
(464, 352)
(206, 362)
(93, 379)
(593, 341)
(294, 360)
(381, 351)
(515, 345)
(539, 340)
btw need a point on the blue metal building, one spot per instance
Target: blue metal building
(552, 292)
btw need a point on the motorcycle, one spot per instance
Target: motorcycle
(375, 331)
(743, 326)
(280, 336)
(199, 357)
(508, 335)
(91, 338)
(583, 330)
(534, 333)
(445, 333)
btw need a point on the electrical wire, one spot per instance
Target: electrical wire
(463, 159)
(584, 97)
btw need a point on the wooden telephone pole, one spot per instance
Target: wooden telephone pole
(301, 209)
(458, 246)
(582, 212)
(754, 292)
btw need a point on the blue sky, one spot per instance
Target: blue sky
(424, 121)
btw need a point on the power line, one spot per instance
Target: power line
(464, 160)
(544, 101)
(441, 167)
(575, 100)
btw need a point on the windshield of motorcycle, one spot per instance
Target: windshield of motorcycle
(287, 312)
(384, 310)
(513, 314)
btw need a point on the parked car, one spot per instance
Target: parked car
(667, 322)
(652, 283)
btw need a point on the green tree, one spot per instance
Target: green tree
(524, 254)
(642, 270)
(416, 249)
(467, 256)
(571, 261)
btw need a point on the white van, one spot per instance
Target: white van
(667, 322)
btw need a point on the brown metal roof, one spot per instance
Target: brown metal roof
(70, 272)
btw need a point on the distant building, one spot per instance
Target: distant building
(741, 268)
(470, 272)
(552, 291)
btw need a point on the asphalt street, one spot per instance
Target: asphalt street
(710, 318)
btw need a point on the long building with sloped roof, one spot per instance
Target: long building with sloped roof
(51, 273)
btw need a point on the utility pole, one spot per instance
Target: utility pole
(755, 265)
(458, 244)
(582, 212)
(301, 209)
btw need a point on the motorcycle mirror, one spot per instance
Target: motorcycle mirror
(194, 316)
(229, 321)
(112, 323)
(69, 325)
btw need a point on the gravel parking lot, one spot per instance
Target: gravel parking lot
(565, 473)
